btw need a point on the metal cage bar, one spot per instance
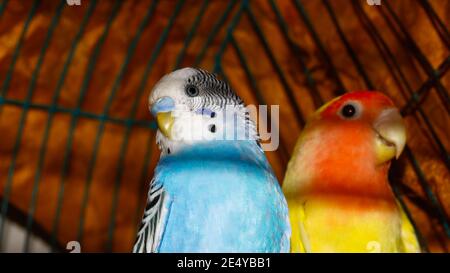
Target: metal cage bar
(153, 58)
(253, 83)
(34, 194)
(76, 112)
(289, 92)
(436, 21)
(3, 92)
(83, 90)
(311, 83)
(306, 19)
(398, 75)
(191, 33)
(214, 32)
(350, 51)
(130, 117)
(61, 80)
(404, 37)
(2, 7)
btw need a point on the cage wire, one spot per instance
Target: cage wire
(223, 27)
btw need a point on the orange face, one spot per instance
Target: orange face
(348, 144)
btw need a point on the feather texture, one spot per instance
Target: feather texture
(224, 198)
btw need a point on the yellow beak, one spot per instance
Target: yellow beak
(165, 123)
(391, 135)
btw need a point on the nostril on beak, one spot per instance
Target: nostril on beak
(163, 104)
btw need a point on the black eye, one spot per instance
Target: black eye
(349, 111)
(192, 91)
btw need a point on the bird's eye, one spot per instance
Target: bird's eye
(350, 111)
(192, 91)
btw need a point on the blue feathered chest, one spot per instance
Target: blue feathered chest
(222, 196)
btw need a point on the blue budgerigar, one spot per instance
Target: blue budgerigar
(213, 189)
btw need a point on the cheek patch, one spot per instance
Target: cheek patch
(206, 112)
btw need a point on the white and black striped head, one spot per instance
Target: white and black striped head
(195, 88)
(194, 105)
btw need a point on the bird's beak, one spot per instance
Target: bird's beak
(162, 111)
(391, 135)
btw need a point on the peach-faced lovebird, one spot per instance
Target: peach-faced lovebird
(213, 189)
(337, 185)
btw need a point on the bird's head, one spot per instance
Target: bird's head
(369, 114)
(349, 141)
(190, 105)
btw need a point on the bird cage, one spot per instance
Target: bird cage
(77, 143)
